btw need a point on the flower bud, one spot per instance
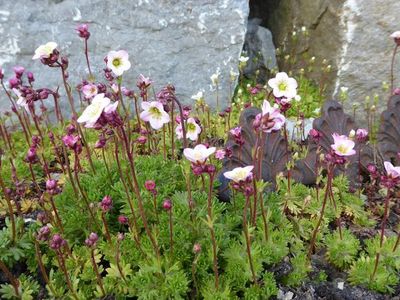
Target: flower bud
(106, 204)
(19, 71)
(196, 248)
(150, 185)
(83, 31)
(30, 77)
(141, 140)
(167, 204)
(123, 220)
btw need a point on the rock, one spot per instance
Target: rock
(351, 35)
(260, 49)
(178, 42)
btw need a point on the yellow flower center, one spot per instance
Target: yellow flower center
(282, 86)
(155, 112)
(342, 149)
(116, 62)
(191, 127)
(241, 175)
(198, 156)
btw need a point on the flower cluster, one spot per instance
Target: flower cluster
(92, 239)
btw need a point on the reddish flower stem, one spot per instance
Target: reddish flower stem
(96, 270)
(247, 237)
(383, 225)
(212, 232)
(14, 281)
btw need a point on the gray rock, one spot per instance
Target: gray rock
(178, 42)
(260, 49)
(352, 35)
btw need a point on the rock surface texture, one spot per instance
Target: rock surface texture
(172, 41)
(353, 35)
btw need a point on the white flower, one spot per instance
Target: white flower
(44, 51)
(89, 90)
(344, 89)
(283, 85)
(93, 112)
(21, 102)
(110, 108)
(118, 62)
(239, 174)
(297, 98)
(243, 59)
(215, 78)
(233, 75)
(198, 97)
(155, 114)
(198, 154)
(395, 35)
(192, 130)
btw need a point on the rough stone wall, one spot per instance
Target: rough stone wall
(353, 35)
(172, 41)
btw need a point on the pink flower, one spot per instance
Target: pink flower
(271, 119)
(342, 145)
(220, 154)
(199, 154)
(89, 90)
(392, 171)
(236, 132)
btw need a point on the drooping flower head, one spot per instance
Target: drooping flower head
(93, 112)
(283, 86)
(155, 114)
(118, 62)
(342, 145)
(240, 174)
(396, 36)
(193, 130)
(45, 51)
(199, 154)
